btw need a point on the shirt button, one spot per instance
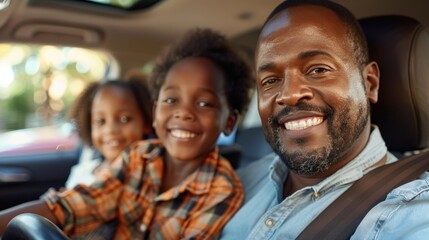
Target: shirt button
(143, 227)
(315, 195)
(269, 223)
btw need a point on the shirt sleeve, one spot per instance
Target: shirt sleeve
(217, 207)
(86, 207)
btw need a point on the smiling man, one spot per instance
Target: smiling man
(315, 84)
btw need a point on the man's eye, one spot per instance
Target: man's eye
(124, 119)
(269, 81)
(318, 70)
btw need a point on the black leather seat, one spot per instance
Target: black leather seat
(400, 45)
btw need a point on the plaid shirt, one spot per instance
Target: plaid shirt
(197, 208)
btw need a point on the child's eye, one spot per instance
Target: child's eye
(204, 104)
(124, 119)
(99, 122)
(169, 100)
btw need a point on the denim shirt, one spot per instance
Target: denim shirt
(266, 215)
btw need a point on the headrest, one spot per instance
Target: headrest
(400, 46)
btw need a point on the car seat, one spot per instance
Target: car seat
(249, 145)
(253, 144)
(400, 46)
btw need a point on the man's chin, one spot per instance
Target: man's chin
(307, 163)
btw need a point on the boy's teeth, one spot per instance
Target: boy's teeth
(182, 134)
(304, 123)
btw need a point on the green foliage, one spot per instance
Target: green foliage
(35, 98)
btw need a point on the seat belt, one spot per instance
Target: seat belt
(341, 218)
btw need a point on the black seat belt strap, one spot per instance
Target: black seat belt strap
(341, 218)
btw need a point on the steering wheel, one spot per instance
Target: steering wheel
(28, 226)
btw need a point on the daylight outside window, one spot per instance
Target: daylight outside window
(38, 84)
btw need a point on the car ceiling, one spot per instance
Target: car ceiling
(137, 37)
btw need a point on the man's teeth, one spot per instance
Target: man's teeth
(304, 123)
(182, 134)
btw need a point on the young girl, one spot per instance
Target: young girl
(109, 116)
(176, 186)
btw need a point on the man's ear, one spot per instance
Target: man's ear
(231, 122)
(372, 81)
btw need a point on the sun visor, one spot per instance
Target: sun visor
(49, 33)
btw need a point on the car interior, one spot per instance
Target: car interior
(397, 34)
(400, 45)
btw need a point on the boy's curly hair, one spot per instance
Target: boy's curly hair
(215, 47)
(80, 111)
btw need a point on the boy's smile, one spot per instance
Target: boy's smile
(191, 110)
(182, 134)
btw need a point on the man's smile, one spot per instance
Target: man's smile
(303, 123)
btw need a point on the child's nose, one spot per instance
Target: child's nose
(183, 113)
(113, 127)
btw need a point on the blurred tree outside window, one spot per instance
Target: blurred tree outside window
(38, 83)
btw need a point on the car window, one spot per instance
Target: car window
(39, 82)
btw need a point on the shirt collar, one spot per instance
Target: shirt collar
(197, 183)
(374, 150)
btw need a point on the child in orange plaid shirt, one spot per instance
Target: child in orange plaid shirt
(176, 186)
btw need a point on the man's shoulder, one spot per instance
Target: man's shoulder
(409, 204)
(412, 189)
(256, 172)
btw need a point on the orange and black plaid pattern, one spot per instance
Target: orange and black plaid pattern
(198, 208)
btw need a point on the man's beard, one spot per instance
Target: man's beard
(342, 133)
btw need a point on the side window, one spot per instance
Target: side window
(38, 84)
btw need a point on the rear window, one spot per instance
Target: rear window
(39, 83)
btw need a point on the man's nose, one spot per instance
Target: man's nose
(293, 90)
